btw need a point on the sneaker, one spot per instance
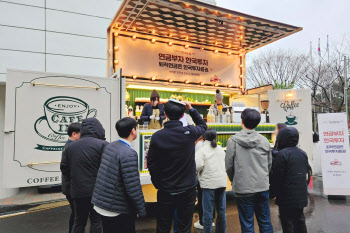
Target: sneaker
(198, 225)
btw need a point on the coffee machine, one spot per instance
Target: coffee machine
(265, 105)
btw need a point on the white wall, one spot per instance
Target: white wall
(55, 36)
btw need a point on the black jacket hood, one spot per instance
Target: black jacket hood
(287, 137)
(91, 127)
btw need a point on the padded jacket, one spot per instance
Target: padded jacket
(83, 158)
(118, 187)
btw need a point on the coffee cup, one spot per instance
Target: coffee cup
(60, 111)
(291, 118)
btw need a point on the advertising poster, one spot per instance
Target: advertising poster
(335, 153)
(39, 109)
(145, 59)
(293, 107)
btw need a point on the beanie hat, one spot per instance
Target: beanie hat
(154, 95)
(218, 95)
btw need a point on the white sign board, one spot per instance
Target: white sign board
(293, 107)
(145, 59)
(39, 108)
(335, 153)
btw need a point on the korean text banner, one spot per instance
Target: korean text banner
(335, 153)
(146, 59)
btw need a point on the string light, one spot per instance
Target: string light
(241, 76)
(170, 80)
(134, 77)
(187, 81)
(229, 46)
(201, 49)
(153, 41)
(202, 83)
(154, 32)
(241, 66)
(116, 25)
(229, 53)
(170, 43)
(116, 62)
(116, 48)
(241, 55)
(134, 28)
(230, 85)
(216, 84)
(170, 35)
(186, 38)
(216, 51)
(187, 46)
(116, 34)
(154, 78)
(216, 43)
(241, 37)
(134, 37)
(241, 87)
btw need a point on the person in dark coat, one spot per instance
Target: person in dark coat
(171, 163)
(73, 135)
(153, 112)
(81, 164)
(118, 196)
(289, 184)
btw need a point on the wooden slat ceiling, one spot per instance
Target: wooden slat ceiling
(198, 23)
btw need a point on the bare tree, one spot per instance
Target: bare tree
(281, 68)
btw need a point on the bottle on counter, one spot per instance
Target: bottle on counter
(137, 111)
(228, 116)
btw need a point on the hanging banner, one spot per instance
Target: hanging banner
(146, 59)
(335, 153)
(39, 109)
(293, 108)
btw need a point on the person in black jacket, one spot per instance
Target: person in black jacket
(73, 135)
(118, 196)
(289, 184)
(171, 163)
(153, 112)
(81, 164)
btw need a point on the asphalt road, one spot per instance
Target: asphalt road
(322, 215)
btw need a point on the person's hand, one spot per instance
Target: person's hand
(152, 117)
(188, 104)
(157, 118)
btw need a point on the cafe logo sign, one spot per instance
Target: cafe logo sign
(59, 112)
(289, 105)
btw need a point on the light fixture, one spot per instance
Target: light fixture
(116, 34)
(202, 83)
(241, 76)
(201, 49)
(170, 43)
(198, 91)
(187, 81)
(116, 48)
(134, 77)
(229, 53)
(229, 86)
(170, 80)
(134, 37)
(241, 66)
(241, 55)
(153, 41)
(159, 88)
(241, 87)
(216, 84)
(290, 94)
(116, 62)
(216, 51)
(154, 78)
(187, 46)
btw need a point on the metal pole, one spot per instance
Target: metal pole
(346, 86)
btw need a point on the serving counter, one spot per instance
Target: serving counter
(224, 132)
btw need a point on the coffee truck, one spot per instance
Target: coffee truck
(183, 49)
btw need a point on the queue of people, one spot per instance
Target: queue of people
(101, 180)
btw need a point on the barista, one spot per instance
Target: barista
(219, 105)
(153, 112)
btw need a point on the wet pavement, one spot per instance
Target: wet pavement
(322, 215)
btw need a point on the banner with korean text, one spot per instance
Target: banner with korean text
(143, 58)
(335, 153)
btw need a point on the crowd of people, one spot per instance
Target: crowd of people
(101, 180)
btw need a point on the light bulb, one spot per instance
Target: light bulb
(134, 77)
(202, 83)
(187, 46)
(170, 43)
(241, 55)
(153, 41)
(241, 76)
(216, 84)
(116, 34)
(216, 51)
(116, 48)
(216, 43)
(154, 32)
(186, 38)
(116, 62)
(230, 85)
(187, 81)
(134, 37)
(170, 80)
(241, 66)
(229, 53)
(201, 49)
(154, 78)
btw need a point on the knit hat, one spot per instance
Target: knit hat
(219, 95)
(154, 95)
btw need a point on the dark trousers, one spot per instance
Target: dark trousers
(211, 198)
(292, 220)
(166, 205)
(122, 223)
(258, 203)
(200, 204)
(83, 210)
(72, 214)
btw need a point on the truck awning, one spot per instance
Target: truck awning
(198, 24)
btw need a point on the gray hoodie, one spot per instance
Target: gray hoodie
(248, 162)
